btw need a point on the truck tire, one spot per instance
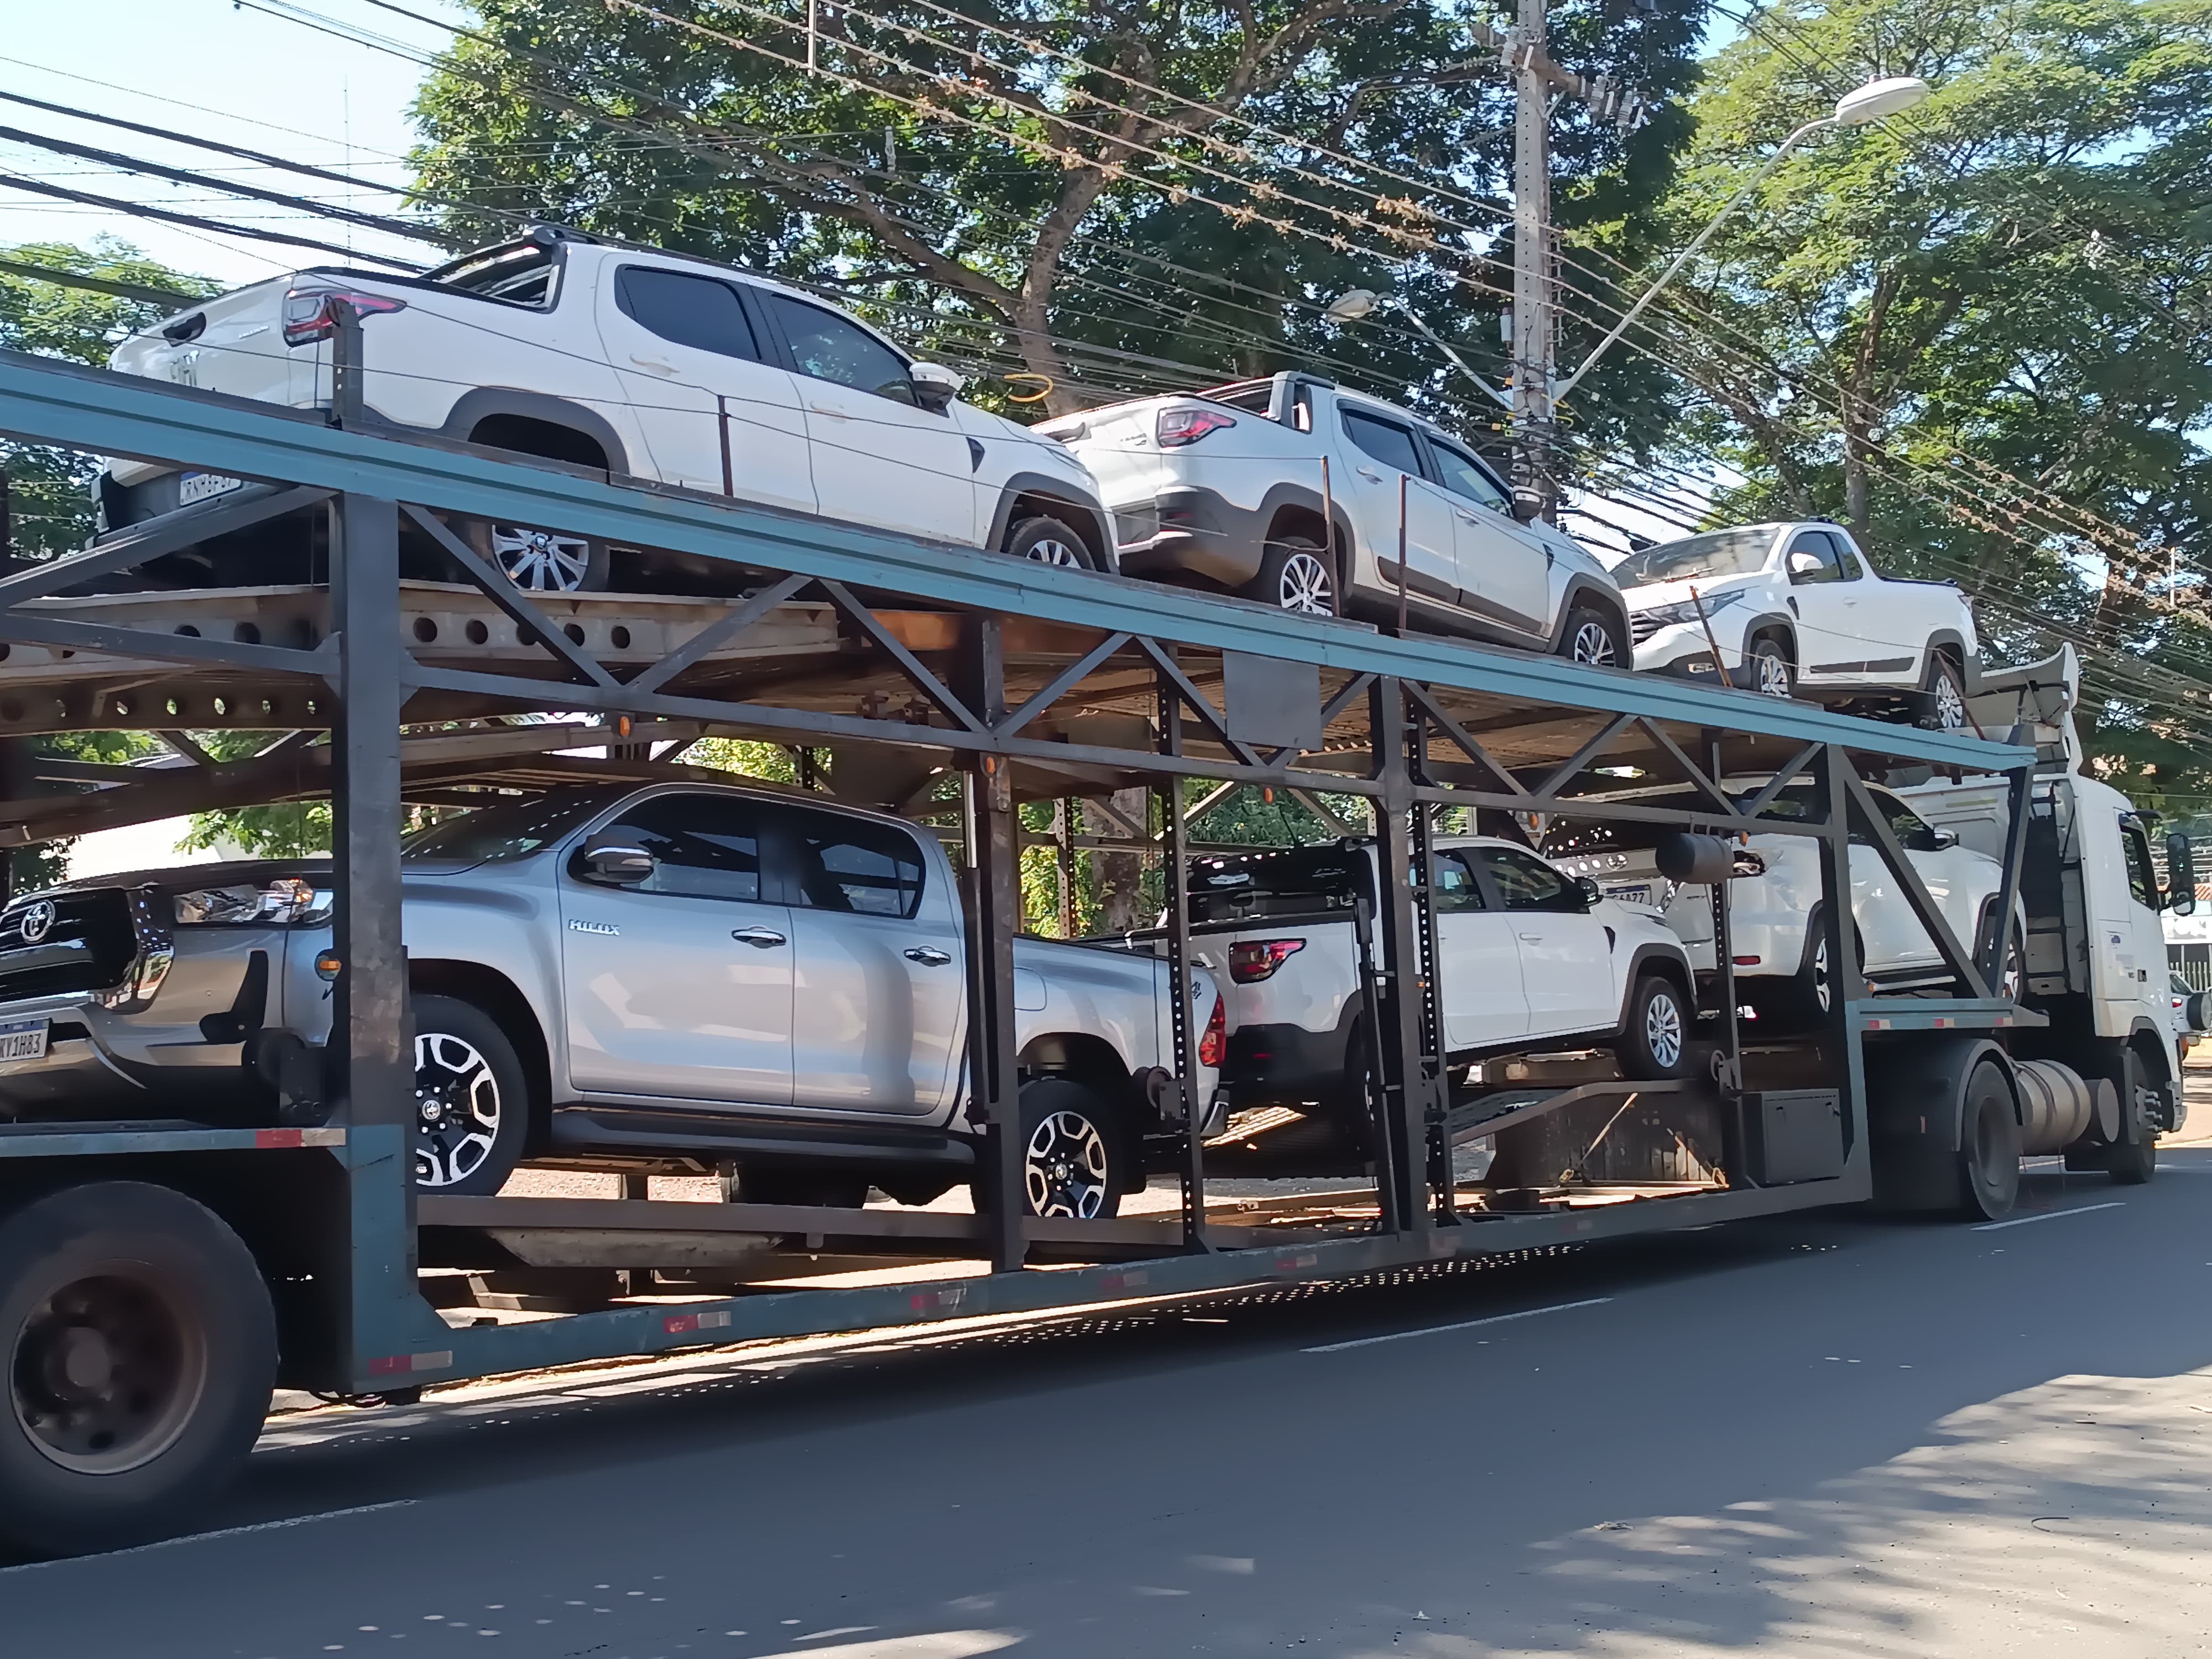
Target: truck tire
(1768, 670)
(2133, 1159)
(472, 1099)
(1943, 705)
(1593, 637)
(1989, 1147)
(140, 1351)
(1048, 540)
(1075, 1154)
(539, 561)
(1296, 574)
(1655, 1036)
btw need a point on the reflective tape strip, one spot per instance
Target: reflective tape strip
(394, 1364)
(677, 1324)
(937, 1301)
(1124, 1281)
(278, 1139)
(1292, 1264)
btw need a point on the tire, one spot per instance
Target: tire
(471, 1100)
(1989, 1147)
(140, 1351)
(827, 1189)
(540, 561)
(2012, 971)
(1654, 1037)
(1075, 1154)
(2134, 1159)
(1048, 540)
(1297, 574)
(1807, 998)
(1943, 705)
(1768, 670)
(1593, 637)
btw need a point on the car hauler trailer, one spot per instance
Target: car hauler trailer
(158, 1275)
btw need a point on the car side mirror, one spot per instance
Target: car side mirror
(1942, 840)
(1803, 567)
(1590, 891)
(935, 386)
(2181, 874)
(616, 860)
(1527, 505)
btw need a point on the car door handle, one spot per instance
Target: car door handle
(1369, 473)
(927, 955)
(764, 938)
(1465, 517)
(658, 365)
(1534, 939)
(836, 412)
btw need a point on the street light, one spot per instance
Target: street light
(1355, 303)
(1877, 101)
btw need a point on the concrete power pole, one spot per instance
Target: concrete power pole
(1535, 331)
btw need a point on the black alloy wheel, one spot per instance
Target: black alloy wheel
(472, 1102)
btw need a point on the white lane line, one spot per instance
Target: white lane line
(203, 1537)
(1463, 1325)
(2047, 1215)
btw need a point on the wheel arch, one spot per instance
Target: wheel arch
(1777, 625)
(1043, 494)
(1588, 591)
(1948, 642)
(1668, 963)
(491, 406)
(1289, 509)
(1091, 1062)
(488, 988)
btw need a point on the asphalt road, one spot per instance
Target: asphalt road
(1828, 1434)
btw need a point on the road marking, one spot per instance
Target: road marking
(2047, 1215)
(224, 1532)
(1463, 1325)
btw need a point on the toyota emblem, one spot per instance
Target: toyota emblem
(38, 922)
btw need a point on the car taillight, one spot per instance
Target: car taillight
(1177, 427)
(1213, 1046)
(1255, 960)
(312, 313)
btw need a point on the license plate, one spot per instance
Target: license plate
(1630, 895)
(23, 1039)
(204, 487)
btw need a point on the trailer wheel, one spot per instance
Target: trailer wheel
(1989, 1146)
(141, 1350)
(471, 1100)
(1654, 1035)
(1074, 1154)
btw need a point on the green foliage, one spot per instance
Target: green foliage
(2009, 278)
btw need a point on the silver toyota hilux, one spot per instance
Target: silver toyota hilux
(728, 977)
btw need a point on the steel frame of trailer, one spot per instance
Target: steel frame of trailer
(377, 1331)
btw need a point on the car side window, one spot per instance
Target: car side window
(2142, 879)
(1453, 886)
(1386, 440)
(1819, 546)
(1466, 476)
(1525, 882)
(688, 310)
(702, 846)
(852, 866)
(829, 348)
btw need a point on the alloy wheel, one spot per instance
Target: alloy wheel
(1305, 586)
(1821, 993)
(104, 1376)
(1065, 1167)
(1770, 675)
(1594, 645)
(457, 1109)
(541, 560)
(1052, 550)
(1663, 1029)
(1950, 708)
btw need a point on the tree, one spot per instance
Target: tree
(1978, 335)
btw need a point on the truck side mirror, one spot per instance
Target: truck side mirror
(2181, 874)
(616, 860)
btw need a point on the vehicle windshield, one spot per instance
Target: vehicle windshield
(514, 827)
(518, 272)
(1296, 882)
(1719, 553)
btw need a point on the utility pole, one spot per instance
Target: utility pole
(1534, 328)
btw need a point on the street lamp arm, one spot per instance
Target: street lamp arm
(1441, 344)
(1690, 252)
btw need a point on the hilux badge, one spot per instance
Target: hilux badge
(38, 922)
(576, 926)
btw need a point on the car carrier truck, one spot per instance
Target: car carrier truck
(161, 1273)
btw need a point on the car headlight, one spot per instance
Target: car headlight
(1666, 615)
(281, 901)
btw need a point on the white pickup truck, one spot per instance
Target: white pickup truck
(1799, 609)
(1532, 959)
(1303, 494)
(619, 359)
